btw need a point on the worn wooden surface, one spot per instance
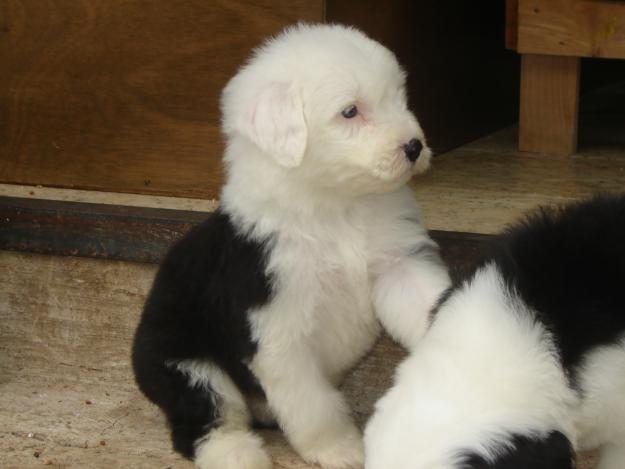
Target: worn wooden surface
(488, 184)
(67, 397)
(580, 28)
(549, 104)
(123, 95)
(91, 230)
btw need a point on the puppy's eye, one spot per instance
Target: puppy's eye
(350, 112)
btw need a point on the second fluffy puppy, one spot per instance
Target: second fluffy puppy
(259, 311)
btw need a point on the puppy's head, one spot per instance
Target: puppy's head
(327, 104)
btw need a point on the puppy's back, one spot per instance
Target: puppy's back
(568, 264)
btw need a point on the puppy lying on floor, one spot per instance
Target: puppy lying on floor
(525, 360)
(258, 312)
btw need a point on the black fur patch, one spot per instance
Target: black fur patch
(569, 266)
(552, 452)
(191, 413)
(198, 310)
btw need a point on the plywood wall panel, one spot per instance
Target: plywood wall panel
(122, 95)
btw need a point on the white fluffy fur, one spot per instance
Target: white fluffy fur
(229, 448)
(231, 445)
(601, 416)
(207, 375)
(486, 370)
(445, 401)
(328, 191)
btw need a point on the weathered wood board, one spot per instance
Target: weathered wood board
(580, 28)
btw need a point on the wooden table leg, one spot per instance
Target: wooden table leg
(549, 104)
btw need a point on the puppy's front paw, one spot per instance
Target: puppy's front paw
(404, 295)
(344, 452)
(234, 449)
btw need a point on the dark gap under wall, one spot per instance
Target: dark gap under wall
(602, 104)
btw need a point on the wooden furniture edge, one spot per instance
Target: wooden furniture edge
(549, 105)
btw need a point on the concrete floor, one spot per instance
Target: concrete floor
(67, 395)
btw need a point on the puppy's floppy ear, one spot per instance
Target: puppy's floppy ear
(275, 122)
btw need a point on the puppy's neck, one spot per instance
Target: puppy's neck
(264, 197)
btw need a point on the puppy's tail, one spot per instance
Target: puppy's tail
(207, 413)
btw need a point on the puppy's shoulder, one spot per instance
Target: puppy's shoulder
(217, 253)
(217, 236)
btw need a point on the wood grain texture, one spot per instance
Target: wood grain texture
(549, 104)
(581, 28)
(122, 95)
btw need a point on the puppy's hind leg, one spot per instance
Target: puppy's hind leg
(210, 421)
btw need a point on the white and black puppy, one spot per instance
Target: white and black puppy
(258, 312)
(525, 360)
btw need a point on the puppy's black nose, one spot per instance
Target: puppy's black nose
(413, 149)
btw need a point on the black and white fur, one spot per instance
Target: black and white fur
(258, 312)
(524, 362)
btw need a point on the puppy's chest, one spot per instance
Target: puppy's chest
(343, 325)
(343, 284)
(340, 267)
(322, 296)
(332, 268)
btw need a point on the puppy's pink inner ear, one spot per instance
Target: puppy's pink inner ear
(275, 123)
